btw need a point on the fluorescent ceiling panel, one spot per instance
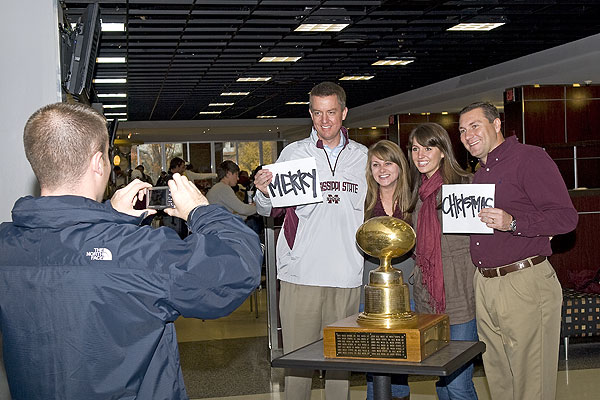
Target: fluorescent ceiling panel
(320, 27)
(279, 59)
(392, 62)
(110, 80)
(110, 60)
(357, 78)
(113, 27)
(112, 94)
(478, 26)
(254, 79)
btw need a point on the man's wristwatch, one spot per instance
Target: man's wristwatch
(513, 225)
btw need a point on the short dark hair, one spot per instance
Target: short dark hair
(60, 139)
(175, 162)
(225, 167)
(489, 110)
(325, 89)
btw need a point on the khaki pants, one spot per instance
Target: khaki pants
(518, 319)
(304, 311)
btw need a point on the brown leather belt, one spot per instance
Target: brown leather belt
(507, 269)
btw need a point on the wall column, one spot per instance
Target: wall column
(29, 79)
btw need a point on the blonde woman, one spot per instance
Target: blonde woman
(388, 194)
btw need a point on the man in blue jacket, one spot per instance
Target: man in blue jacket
(88, 297)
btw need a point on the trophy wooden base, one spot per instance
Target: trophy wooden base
(412, 340)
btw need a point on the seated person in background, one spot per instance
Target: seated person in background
(203, 179)
(222, 193)
(162, 179)
(255, 221)
(176, 166)
(242, 186)
(137, 174)
(120, 177)
(144, 177)
(88, 296)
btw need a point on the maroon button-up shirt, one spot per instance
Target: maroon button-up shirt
(530, 188)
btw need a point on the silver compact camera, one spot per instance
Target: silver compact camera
(159, 198)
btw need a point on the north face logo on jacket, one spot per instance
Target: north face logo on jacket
(99, 253)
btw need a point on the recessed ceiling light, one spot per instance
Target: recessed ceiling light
(220, 104)
(266, 116)
(357, 77)
(114, 105)
(576, 85)
(235, 93)
(110, 80)
(112, 94)
(209, 112)
(255, 79)
(279, 59)
(113, 27)
(297, 103)
(444, 112)
(320, 27)
(477, 26)
(392, 62)
(111, 60)
(114, 114)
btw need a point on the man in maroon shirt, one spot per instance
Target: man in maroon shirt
(517, 294)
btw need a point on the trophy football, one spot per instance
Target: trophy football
(387, 329)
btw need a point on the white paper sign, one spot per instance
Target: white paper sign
(294, 183)
(462, 203)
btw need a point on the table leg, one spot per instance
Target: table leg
(382, 387)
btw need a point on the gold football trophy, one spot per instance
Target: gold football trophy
(387, 329)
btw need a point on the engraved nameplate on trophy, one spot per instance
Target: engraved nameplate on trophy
(387, 329)
(370, 344)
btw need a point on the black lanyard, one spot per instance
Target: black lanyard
(336, 160)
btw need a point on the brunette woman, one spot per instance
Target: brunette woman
(443, 274)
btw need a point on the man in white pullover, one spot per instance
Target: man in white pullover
(318, 262)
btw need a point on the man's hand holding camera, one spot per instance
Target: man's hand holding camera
(184, 193)
(124, 199)
(186, 197)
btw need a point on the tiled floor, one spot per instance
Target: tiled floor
(229, 359)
